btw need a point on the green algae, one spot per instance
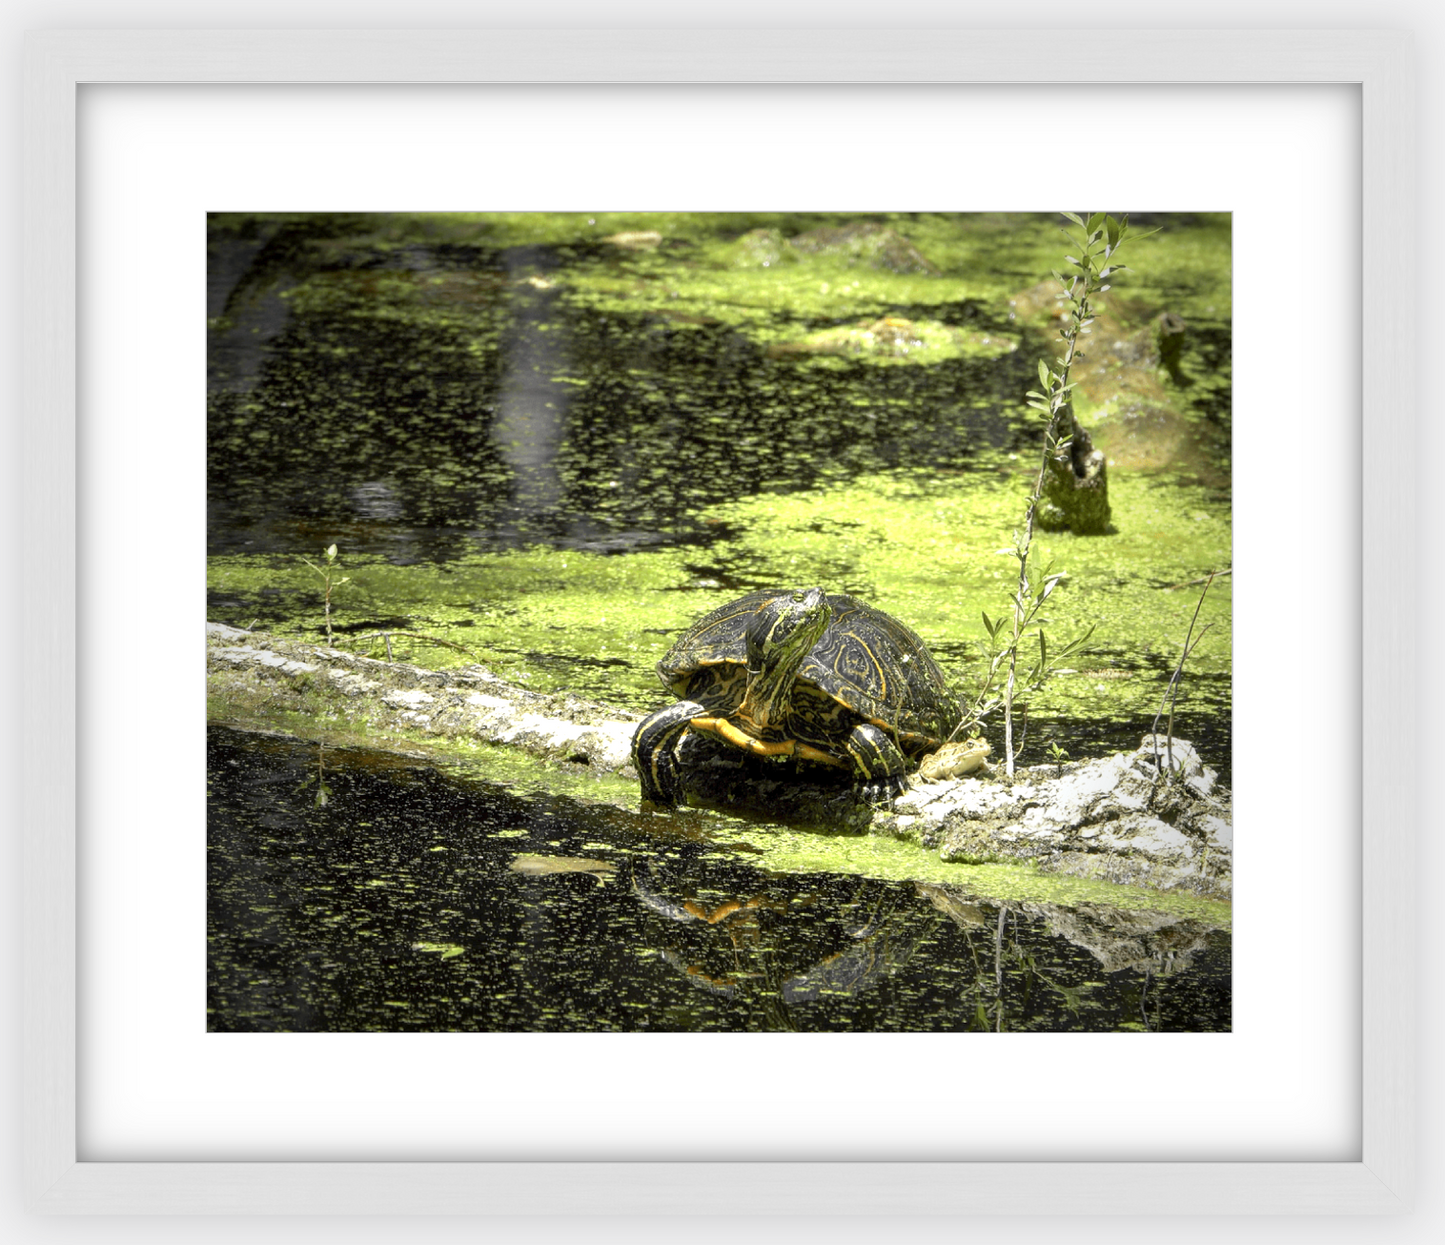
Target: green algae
(550, 620)
(447, 951)
(938, 553)
(923, 547)
(875, 856)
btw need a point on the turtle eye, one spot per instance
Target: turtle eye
(798, 598)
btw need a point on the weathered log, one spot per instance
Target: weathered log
(469, 702)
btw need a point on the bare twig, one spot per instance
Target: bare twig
(1203, 579)
(1171, 691)
(413, 635)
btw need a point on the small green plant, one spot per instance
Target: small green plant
(1002, 651)
(1058, 756)
(330, 579)
(1097, 241)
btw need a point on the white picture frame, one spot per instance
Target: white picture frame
(58, 63)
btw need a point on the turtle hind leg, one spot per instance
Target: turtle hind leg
(654, 752)
(878, 766)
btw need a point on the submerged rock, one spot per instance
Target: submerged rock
(635, 239)
(534, 866)
(866, 242)
(760, 248)
(869, 243)
(895, 337)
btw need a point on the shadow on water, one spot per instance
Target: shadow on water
(361, 891)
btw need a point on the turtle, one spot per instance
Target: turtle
(820, 676)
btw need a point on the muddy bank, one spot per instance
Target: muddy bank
(1117, 818)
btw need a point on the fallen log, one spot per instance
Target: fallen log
(470, 702)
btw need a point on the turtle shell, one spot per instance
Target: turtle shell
(866, 662)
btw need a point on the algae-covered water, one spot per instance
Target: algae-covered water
(547, 442)
(409, 898)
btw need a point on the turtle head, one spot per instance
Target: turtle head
(779, 636)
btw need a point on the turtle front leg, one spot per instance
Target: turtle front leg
(878, 766)
(654, 752)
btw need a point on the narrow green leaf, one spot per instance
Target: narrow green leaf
(1073, 218)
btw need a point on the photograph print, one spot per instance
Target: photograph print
(733, 622)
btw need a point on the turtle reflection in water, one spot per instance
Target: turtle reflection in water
(821, 677)
(755, 968)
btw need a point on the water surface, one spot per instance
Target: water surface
(410, 900)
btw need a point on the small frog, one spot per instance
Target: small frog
(954, 760)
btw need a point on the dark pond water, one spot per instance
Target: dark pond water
(494, 409)
(412, 900)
